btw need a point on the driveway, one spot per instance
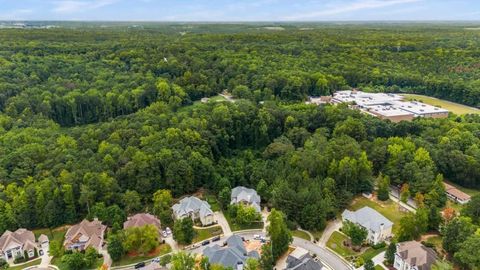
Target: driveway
(173, 244)
(107, 260)
(331, 227)
(222, 221)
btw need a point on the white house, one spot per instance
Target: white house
(379, 228)
(20, 243)
(412, 255)
(246, 196)
(195, 209)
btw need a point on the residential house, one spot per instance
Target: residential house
(21, 243)
(234, 255)
(195, 209)
(85, 234)
(246, 196)
(142, 219)
(456, 195)
(413, 255)
(379, 228)
(301, 259)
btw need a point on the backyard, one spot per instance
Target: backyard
(56, 234)
(388, 208)
(451, 106)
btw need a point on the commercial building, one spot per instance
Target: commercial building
(387, 106)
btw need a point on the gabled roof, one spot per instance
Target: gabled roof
(249, 195)
(91, 231)
(245, 194)
(230, 256)
(140, 220)
(367, 218)
(456, 192)
(22, 237)
(416, 254)
(300, 259)
(192, 204)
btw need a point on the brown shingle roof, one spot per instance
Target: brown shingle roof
(414, 253)
(93, 230)
(22, 237)
(456, 192)
(140, 220)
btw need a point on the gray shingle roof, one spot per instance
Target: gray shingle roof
(300, 259)
(367, 218)
(246, 194)
(192, 204)
(230, 256)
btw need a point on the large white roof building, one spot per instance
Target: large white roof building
(388, 106)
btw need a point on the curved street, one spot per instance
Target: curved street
(327, 257)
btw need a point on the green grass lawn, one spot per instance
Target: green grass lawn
(215, 206)
(371, 252)
(238, 227)
(336, 244)
(301, 234)
(33, 263)
(389, 209)
(378, 267)
(451, 106)
(127, 260)
(469, 191)
(202, 234)
(53, 235)
(436, 241)
(57, 262)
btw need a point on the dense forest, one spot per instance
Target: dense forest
(86, 75)
(93, 116)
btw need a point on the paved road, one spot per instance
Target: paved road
(326, 256)
(323, 254)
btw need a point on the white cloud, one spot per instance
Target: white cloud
(349, 7)
(70, 6)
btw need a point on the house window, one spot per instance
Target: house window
(31, 253)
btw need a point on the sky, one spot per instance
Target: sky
(240, 10)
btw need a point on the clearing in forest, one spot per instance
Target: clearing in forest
(451, 106)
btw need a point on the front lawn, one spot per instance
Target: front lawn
(202, 234)
(32, 263)
(301, 234)
(378, 267)
(388, 208)
(133, 258)
(335, 242)
(58, 262)
(240, 227)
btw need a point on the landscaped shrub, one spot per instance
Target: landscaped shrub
(379, 245)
